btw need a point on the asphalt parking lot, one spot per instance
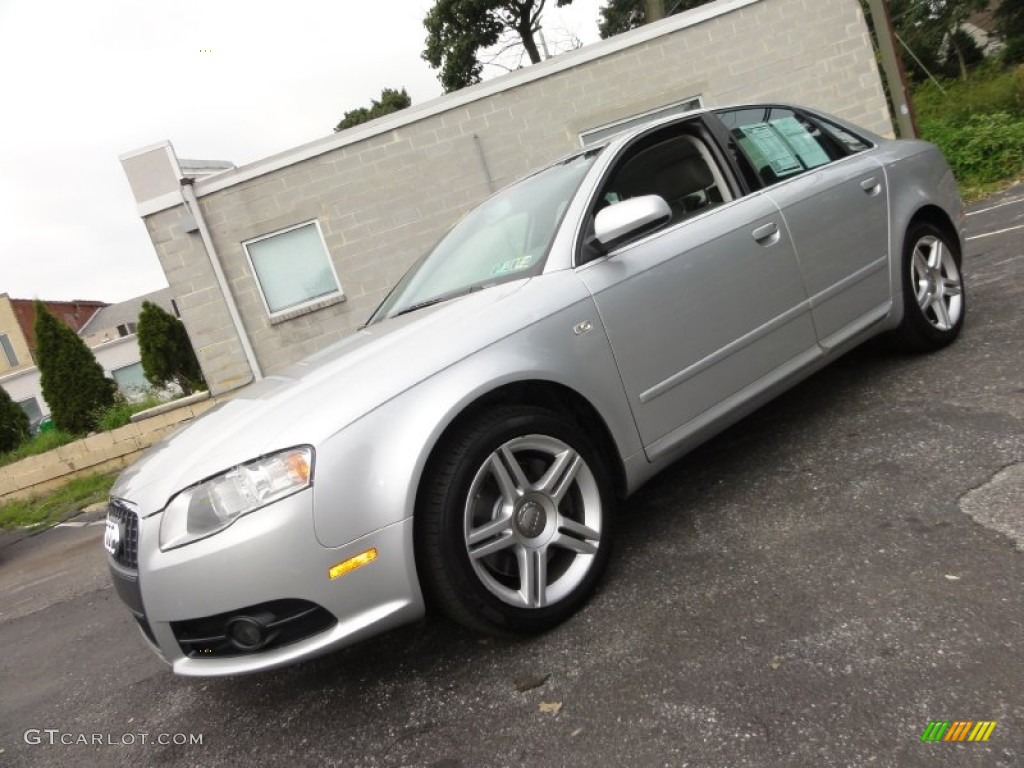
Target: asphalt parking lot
(811, 588)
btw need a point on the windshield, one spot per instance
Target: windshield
(505, 238)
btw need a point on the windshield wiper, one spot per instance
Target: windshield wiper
(437, 300)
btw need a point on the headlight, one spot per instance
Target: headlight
(214, 504)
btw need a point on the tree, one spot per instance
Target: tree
(72, 381)
(13, 423)
(1010, 22)
(949, 16)
(930, 28)
(623, 15)
(390, 101)
(167, 353)
(458, 29)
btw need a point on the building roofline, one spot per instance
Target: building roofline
(447, 102)
(85, 325)
(84, 302)
(91, 317)
(116, 342)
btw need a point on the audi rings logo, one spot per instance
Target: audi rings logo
(112, 537)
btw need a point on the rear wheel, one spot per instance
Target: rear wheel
(934, 301)
(513, 527)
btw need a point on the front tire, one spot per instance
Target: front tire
(513, 525)
(934, 300)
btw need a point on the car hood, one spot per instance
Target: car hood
(319, 395)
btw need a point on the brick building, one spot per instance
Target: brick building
(274, 260)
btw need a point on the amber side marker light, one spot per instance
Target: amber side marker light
(347, 566)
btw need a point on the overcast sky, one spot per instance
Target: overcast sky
(222, 79)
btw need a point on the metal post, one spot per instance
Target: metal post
(892, 66)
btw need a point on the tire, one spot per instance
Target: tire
(934, 299)
(513, 524)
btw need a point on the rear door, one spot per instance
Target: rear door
(834, 198)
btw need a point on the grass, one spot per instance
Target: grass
(115, 416)
(41, 443)
(121, 413)
(973, 192)
(53, 507)
(986, 90)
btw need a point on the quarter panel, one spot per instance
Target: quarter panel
(367, 474)
(918, 177)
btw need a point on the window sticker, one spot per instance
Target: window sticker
(512, 265)
(807, 148)
(770, 149)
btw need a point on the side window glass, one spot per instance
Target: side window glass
(778, 142)
(851, 143)
(675, 165)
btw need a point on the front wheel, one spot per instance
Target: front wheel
(934, 301)
(513, 527)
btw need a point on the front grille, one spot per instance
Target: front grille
(127, 553)
(286, 621)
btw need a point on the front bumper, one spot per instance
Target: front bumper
(268, 557)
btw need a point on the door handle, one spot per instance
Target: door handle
(871, 186)
(766, 232)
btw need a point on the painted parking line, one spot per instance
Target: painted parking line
(996, 232)
(80, 525)
(1003, 204)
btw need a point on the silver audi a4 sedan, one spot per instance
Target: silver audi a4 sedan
(566, 340)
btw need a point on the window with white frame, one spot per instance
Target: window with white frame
(604, 132)
(293, 268)
(131, 380)
(31, 408)
(7, 349)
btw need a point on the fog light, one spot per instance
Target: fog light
(247, 633)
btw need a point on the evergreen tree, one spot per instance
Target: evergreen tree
(72, 381)
(13, 423)
(167, 353)
(390, 101)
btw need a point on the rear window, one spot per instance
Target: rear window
(778, 142)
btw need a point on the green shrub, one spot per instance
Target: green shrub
(987, 90)
(13, 423)
(167, 354)
(72, 381)
(984, 148)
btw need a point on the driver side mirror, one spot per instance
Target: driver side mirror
(629, 219)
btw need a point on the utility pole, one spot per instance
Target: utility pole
(892, 66)
(653, 10)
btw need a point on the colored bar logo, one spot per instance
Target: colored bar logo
(958, 730)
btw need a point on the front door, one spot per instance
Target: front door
(710, 309)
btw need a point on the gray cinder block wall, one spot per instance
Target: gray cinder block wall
(383, 192)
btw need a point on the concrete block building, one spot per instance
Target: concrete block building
(273, 260)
